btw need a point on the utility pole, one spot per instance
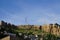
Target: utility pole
(26, 21)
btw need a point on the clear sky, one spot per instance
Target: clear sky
(34, 11)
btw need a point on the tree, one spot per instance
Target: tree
(9, 28)
(40, 27)
(50, 37)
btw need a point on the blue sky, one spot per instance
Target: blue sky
(34, 11)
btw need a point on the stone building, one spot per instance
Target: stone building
(45, 28)
(36, 27)
(52, 28)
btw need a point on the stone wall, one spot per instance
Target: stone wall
(6, 38)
